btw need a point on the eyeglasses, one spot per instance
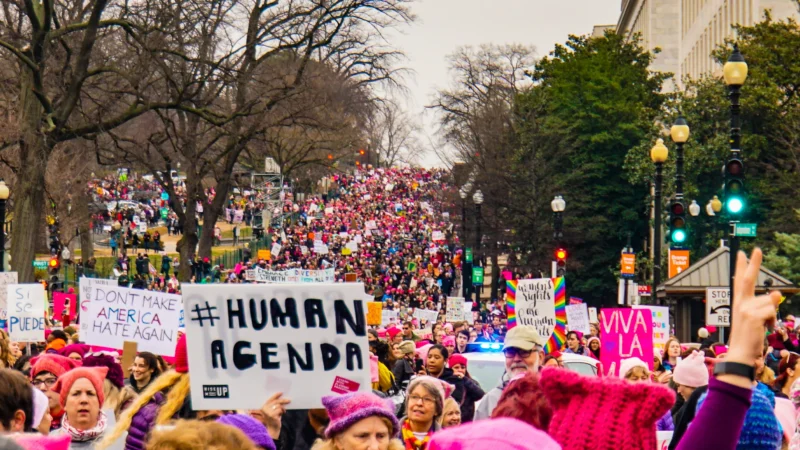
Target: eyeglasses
(425, 400)
(49, 382)
(513, 351)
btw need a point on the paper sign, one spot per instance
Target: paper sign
(437, 236)
(578, 318)
(350, 277)
(303, 249)
(6, 278)
(718, 307)
(275, 250)
(663, 438)
(455, 309)
(264, 254)
(533, 304)
(60, 300)
(625, 333)
(426, 315)
(118, 314)
(660, 327)
(26, 303)
(294, 339)
(142, 227)
(388, 317)
(371, 225)
(374, 313)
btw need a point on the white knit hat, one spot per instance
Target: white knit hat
(629, 363)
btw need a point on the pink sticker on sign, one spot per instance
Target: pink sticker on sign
(344, 386)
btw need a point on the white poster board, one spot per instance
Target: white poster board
(306, 341)
(437, 236)
(388, 317)
(578, 318)
(535, 305)
(593, 315)
(6, 278)
(117, 314)
(455, 309)
(26, 304)
(660, 327)
(425, 314)
(718, 307)
(275, 251)
(468, 316)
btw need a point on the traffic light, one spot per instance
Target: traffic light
(361, 152)
(677, 223)
(561, 261)
(734, 185)
(53, 265)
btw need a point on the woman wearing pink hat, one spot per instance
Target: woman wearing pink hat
(359, 421)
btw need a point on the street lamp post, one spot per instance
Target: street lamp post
(3, 198)
(463, 193)
(735, 73)
(477, 198)
(558, 205)
(679, 134)
(658, 154)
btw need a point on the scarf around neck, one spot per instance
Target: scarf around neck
(85, 435)
(410, 441)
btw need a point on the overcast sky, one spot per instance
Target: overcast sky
(445, 25)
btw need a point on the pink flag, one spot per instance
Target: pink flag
(59, 300)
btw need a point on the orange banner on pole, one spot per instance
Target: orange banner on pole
(628, 264)
(678, 261)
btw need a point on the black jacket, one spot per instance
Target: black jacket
(466, 393)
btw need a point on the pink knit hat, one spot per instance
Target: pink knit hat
(95, 375)
(449, 341)
(35, 441)
(691, 371)
(609, 412)
(55, 364)
(346, 410)
(499, 434)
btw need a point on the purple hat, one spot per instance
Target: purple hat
(115, 374)
(346, 410)
(253, 429)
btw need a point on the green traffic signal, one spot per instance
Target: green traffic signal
(734, 205)
(678, 236)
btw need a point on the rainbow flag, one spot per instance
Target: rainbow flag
(511, 302)
(559, 336)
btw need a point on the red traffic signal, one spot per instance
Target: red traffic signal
(561, 254)
(361, 152)
(54, 263)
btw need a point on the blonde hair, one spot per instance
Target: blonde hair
(196, 435)
(637, 371)
(178, 385)
(449, 405)
(330, 444)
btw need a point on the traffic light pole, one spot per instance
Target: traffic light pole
(657, 229)
(736, 138)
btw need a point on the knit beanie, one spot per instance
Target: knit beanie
(609, 412)
(115, 374)
(761, 429)
(346, 410)
(181, 358)
(691, 371)
(629, 363)
(393, 331)
(81, 349)
(95, 375)
(497, 434)
(407, 347)
(253, 429)
(40, 406)
(35, 441)
(449, 341)
(55, 364)
(457, 359)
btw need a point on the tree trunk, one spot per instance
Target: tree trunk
(29, 198)
(188, 242)
(495, 271)
(211, 213)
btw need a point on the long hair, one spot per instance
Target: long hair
(790, 362)
(178, 385)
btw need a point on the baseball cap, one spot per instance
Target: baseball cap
(523, 337)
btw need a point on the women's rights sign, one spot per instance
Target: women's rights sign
(625, 333)
(541, 304)
(116, 314)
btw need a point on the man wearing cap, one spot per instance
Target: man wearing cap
(521, 351)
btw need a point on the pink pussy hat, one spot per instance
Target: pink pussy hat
(691, 371)
(499, 434)
(346, 410)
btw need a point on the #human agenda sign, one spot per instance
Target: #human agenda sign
(304, 340)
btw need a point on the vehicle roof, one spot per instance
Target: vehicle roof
(498, 356)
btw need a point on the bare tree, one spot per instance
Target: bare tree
(393, 136)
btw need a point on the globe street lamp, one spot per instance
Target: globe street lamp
(558, 205)
(679, 134)
(477, 198)
(465, 275)
(658, 154)
(3, 197)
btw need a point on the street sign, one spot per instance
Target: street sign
(644, 290)
(468, 255)
(628, 265)
(745, 229)
(678, 261)
(38, 264)
(718, 306)
(477, 275)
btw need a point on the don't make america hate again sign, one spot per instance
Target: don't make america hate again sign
(304, 340)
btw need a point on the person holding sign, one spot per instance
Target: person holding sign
(359, 421)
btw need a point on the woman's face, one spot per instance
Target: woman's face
(452, 418)
(421, 405)
(674, 350)
(594, 330)
(435, 361)
(396, 351)
(371, 433)
(13, 346)
(459, 369)
(82, 405)
(450, 348)
(685, 391)
(439, 336)
(637, 375)
(75, 356)
(594, 345)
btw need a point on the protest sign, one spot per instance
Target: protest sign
(6, 278)
(352, 245)
(275, 250)
(26, 303)
(142, 227)
(388, 317)
(455, 309)
(303, 249)
(60, 303)
(260, 275)
(660, 327)
(374, 315)
(117, 314)
(371, 225)
(329, 211)
(540, 303)
(425, 314)
(593, 315)
(304, 340)
(437, 236)
(349, 277)
(625, 333)
(578, 318)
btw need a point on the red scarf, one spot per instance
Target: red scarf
(410, 441)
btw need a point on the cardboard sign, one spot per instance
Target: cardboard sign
(306, 341)
(118, 314)
(625, 333)
(129, 351)
(678, 261)
(469, 316)
(6, 278)
(60, 301)
(455, 309)
(660, 327)
(578, 318)
(718, 307)
(374, 313)
(350, 277)
(26, 304)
